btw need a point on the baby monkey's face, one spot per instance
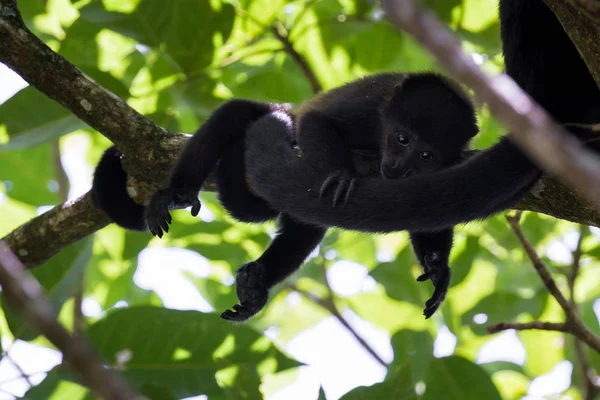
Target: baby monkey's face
(405, 154)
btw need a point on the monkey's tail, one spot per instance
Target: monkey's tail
(109, 192)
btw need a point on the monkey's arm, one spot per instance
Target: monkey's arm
(197, 159)
(109, 192)
(485, 184)
(292, 245)
(433, 251)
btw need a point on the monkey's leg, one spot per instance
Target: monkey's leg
(197, 159)
(292, 245)
(433, 250)
(323, 146)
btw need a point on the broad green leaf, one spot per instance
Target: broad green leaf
(187, 30)
(182, 351)
(503, 306)
(29, 182)
(395, 387)
(30, 118)
(463, 259)
(398, 280)
(414, 349)
(457, 378)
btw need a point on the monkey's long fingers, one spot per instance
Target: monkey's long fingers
(163, 221)
(424, 277)
(331, 179)
(349, 190)
(342, 187)
(441, 284)
(239, 314)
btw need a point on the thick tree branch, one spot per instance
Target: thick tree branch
(590, 7)
(25, 294)
(549, 144)
(581, 21)
(47, 234)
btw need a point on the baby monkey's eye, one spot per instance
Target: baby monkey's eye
(402, 139)
(426, 155)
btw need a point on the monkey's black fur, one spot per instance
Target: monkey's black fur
(109, 192)
(539, 56)
(357, 115)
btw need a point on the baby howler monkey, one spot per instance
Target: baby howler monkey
(345, 118)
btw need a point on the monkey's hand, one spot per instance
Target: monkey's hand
(439, 273)
(251, 291)
(344, 181)
(158, 217)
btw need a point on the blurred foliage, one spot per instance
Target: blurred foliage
(175, 62)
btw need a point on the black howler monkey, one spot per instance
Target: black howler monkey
(409, 141)
(327, 128)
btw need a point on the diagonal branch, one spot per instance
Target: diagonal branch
(581, 21)
(25, 294)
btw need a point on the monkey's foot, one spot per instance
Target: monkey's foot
(344, 181)
(439, 274)
(251, 291)
(158, 217)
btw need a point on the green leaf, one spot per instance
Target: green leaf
(462, 261)
(30, 118)
(454, 377)
(505, 306)
(181, 351)
(414, 348)
(28, 175)
(396, 387)
(174, 29)
(397, 279)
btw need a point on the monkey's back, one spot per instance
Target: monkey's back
(354, 108)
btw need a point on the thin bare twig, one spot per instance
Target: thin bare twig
(549, 144)
(541, 269)
(329, 305)
(25, 294)
(534, 325)
(281, 35)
